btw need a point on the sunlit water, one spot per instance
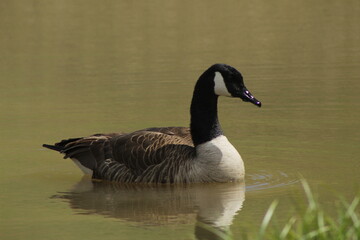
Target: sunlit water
(71, 69)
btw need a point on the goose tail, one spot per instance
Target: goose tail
(52, 147)
(78, 150)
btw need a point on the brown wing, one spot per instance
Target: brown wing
(141, 149)
(149, 155)
(180, 132)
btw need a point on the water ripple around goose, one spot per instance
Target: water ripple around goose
(263, 180)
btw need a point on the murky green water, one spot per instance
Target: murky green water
(73, 68)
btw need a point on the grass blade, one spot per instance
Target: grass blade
(267, 219)
(287, 228)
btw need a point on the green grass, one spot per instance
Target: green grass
(310, 222)
(314, 223)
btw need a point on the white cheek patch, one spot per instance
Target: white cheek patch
(220, 87)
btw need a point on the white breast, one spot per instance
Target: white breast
(219, 161)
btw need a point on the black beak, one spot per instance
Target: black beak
(246, 96)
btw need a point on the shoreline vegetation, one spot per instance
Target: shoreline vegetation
(314, 222)
(310, 222)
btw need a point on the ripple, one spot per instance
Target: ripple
(268, 180)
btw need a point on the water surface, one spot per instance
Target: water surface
(72, 69)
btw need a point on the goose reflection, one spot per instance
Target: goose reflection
(211, 206)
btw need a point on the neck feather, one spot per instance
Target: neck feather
(204, 124)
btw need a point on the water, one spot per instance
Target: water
(71, 69)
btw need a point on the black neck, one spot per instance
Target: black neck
(204, 124)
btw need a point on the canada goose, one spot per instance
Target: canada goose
(200, 153)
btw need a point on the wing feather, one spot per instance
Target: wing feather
(148, 155)
(142, 149)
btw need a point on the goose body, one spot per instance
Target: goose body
(200, 153)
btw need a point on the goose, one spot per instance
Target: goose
(201, 153)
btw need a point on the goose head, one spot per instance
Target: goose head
(229, 82)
